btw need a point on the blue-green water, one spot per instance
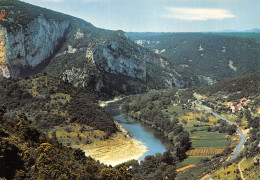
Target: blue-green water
(151, 138)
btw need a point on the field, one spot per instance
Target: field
(192, 116)
(192, 160)
(175, 111)
(205, 151)
(204, 144)
(209, 139)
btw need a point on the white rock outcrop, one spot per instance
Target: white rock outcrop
(111, 56)
(30, 45)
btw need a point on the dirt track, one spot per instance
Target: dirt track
(185, 167)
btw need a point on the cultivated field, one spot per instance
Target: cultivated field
(205, 151)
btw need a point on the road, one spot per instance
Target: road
(242, 135)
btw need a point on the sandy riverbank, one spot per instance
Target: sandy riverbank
(104, 103)
(115, 150)
(119, 148)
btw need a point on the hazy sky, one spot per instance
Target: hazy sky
(162, 15)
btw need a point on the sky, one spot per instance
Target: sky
(162, 15)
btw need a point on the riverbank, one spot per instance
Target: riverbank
(119, 148)
(115, 150)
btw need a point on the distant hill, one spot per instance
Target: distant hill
(211, 56)
(255, 30)
(235, 88)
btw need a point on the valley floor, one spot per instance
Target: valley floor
(115, 150)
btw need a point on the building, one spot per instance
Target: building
(235, 107)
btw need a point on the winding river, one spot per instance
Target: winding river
(151, 138)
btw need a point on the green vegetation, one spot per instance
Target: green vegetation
(27, 153)
(209, 139)
(160, 166)
(243, 35)
(72, 118)
(248, 166)
(217, 97)
(90, 76)
(148, 109)
(192, 160)
(204, 166)
(50, 102)
(172, 113)
(234, 89)
(206, 54)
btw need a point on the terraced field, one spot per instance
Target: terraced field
(204, 139)
(205, 151)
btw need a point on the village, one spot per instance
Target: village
(235, 107)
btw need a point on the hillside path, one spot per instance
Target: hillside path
(241, 173)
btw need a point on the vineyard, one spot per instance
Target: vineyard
(205, 151)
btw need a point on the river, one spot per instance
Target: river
(152, 139)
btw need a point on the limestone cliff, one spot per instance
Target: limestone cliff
(29, 46)
(114, 57)
(114, 61)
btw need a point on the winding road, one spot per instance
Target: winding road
(242, 135)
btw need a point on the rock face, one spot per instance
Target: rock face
(120, 56)
(114, 57)
(29, 46)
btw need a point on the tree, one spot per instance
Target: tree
(109, 173)
(49, 164)
(79, 154)
(184, 140)
(125, 107)
(2, 110)
(168, 158)
(10, 160)
(169, 173)
(184, 122)
(238, 121)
